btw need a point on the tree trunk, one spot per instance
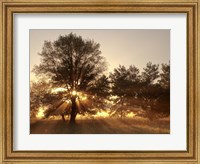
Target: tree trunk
(73, 111)
(63, 117)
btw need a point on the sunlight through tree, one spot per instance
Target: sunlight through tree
(73, 63)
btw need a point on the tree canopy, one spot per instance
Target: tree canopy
(148, 90)
(72, 62)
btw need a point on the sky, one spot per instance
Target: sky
(119, 47)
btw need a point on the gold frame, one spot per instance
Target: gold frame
(10, 7)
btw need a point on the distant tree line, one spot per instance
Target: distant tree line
(149, 90)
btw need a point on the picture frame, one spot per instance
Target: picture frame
(10, 7)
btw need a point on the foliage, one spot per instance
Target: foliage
(40, 96)
(124, 81)
(71, 62)
(76, 64)
(165, 77)
(101, 86)
(150, 73)
(145, 92)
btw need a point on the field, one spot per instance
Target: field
(136, 125)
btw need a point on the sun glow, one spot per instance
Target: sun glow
(83, 98)
(56, 90)
(40, 113)
(102, 114)
(113, 97)
(74, 93)
(131, 114)
(67, 101)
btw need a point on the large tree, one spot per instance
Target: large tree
(73, 63)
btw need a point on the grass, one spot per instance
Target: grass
(135, 125)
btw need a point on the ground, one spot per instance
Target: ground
(102, 126)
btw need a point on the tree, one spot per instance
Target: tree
(73, 63)
(150, 74)
(143, 91)
(101, 86)
(125, 84)
(165, 84)
(165, 76)
(155, 93)
(123, 80)
(40, 96)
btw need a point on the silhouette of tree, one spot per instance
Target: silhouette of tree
(124, 80)
(155, 93)
(164, 82)
(144, 91)
(40, 96)
(101, 86)
(165, 76)
(73, 63)
(125, 84)
(150, 74)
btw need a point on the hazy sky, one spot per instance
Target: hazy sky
(125, 47)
